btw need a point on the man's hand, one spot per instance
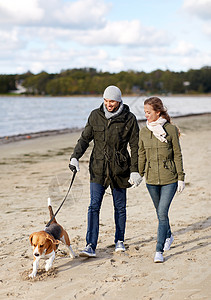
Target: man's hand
(135, 179)
(74, 164)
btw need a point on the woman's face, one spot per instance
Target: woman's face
(150, 114)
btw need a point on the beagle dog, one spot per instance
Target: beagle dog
(46, 242)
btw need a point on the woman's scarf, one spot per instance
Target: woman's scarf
(110, 115)
(157, 129)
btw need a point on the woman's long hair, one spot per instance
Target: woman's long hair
(158, 106)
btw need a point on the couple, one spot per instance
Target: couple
(154, 153)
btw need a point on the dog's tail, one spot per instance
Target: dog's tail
(51, 210)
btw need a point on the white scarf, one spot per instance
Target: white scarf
(157, 129)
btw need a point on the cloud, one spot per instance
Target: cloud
(207, 29)
(127, 33)
(82, 14)
(200, 59)
(9, 40)
(53, 59)
(184, 48)
(52, 35)
(82, 21)
(20, 12)
(199, 8)
(79, 14)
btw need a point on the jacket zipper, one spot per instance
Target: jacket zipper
(158, 165)
(106, 154)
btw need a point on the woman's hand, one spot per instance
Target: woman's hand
(181, 186)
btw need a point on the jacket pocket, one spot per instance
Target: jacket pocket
(121, 163)
(147, 169)
(170, 165)
(99, 133)
(96, 166)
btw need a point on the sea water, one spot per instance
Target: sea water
(22, 115)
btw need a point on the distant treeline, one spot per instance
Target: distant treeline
(89, 81)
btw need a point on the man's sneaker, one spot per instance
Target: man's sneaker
(158, 257)
(87, 252)
(119, 246)
(168, 243)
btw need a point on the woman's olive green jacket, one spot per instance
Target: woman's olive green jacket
(110, 162)
(160, 162)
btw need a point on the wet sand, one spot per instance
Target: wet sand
(35, 168)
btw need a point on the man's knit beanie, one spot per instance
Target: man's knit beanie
(112, 92)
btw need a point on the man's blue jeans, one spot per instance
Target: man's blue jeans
(97, 192)
(162, 196)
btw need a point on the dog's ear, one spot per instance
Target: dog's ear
(31, 237)
(53, 241)
(50, 239)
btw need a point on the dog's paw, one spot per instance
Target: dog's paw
(32, 275)
(48, 266)
(73, 255)
(71, 252)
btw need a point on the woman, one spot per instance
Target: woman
(160, 160)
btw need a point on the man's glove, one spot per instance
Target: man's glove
(74, 164)
(181, 186)
(135, 179)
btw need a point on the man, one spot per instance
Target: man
(112, 127)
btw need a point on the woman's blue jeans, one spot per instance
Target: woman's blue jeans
(162, 196)
(97, 192)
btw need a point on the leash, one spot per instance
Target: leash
(73, 169)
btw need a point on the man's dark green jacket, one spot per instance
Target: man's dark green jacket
(110, 162)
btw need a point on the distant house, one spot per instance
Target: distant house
(19, 88)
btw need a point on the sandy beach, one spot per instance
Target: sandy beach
(36, 168)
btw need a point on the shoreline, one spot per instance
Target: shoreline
(99, 95)
(34, 135)
(44, 133)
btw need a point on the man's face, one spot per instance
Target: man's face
(111, 105)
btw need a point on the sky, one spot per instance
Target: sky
(108, 35)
